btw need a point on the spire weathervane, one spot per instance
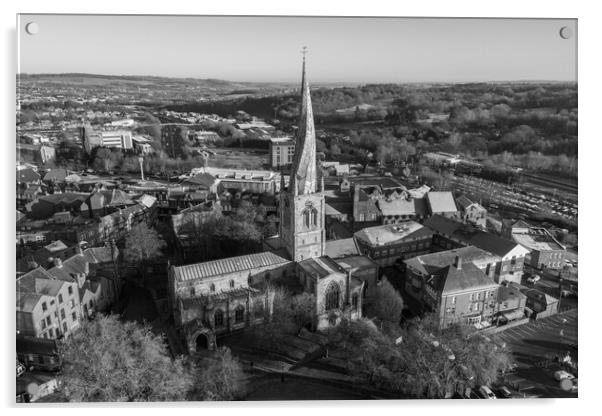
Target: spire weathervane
(304, 52)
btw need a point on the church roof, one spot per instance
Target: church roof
(341, 248)
(304, 171)
(321, 267)
(240, 292)
(227, 266)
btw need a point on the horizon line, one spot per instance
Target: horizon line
(296, 81)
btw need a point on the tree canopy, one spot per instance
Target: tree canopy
(108, 360)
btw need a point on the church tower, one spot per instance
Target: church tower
(302, 204)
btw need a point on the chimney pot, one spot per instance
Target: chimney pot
(458, 263)
(58, 262)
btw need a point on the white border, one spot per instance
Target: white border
(589, 73)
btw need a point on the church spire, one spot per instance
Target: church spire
(303, 174)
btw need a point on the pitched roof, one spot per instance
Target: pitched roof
(27, 302)
(321, 267)
(441, 202)
(98, 254)
(463, 202)
(429, 263)
(539, 295)
(202, 179)
(469, 277)
(228, 265)
(470, 235)
(33, 345)
(196, 301)
(509, 292)
(26, 283)
(56, 175)
(341, 248)
(27, 175)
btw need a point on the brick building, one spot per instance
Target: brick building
(453, 234)
(385, 244)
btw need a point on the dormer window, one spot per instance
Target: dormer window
(231, 284)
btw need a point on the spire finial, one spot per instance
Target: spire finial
(304, 52)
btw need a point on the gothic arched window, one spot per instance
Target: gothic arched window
(212, 287)
(354, 300)
(314, 217)
(306, 218)
(333, 293)
(218, 318)
(232, 284)
(239, 314)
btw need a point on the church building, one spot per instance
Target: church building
(214, 298)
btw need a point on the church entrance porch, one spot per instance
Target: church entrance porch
(202, 341)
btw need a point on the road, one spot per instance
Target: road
(535, 342)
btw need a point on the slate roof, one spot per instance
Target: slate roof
(27, 175)
(26, 283)
(202, 179)
(358, 262)
(48, 287)
(441, 202)
(341, 248)
(56, 175)
(26, 302)
(463, 202)
(33, 345)
(321, 267)
(470, 235)
(239, 292)
(540, 296)
(509, 292)
(469, 277)
(228, 265)
(429, 263)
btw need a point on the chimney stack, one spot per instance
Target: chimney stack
(78, 249)
(58, 262)
(458, 263)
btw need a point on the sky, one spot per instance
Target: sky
(268, 49)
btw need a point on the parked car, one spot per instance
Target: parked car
(504, 392)
(561, 375)
(534, 279)
(486, 393)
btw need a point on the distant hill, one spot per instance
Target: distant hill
(146, 80)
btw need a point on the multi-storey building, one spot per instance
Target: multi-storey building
(386, 244)
(282, 152)
(453, 234)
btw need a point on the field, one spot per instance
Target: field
(239, 158)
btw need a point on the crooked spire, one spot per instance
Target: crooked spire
(304, 171)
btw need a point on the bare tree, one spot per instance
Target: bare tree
(110, 360)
